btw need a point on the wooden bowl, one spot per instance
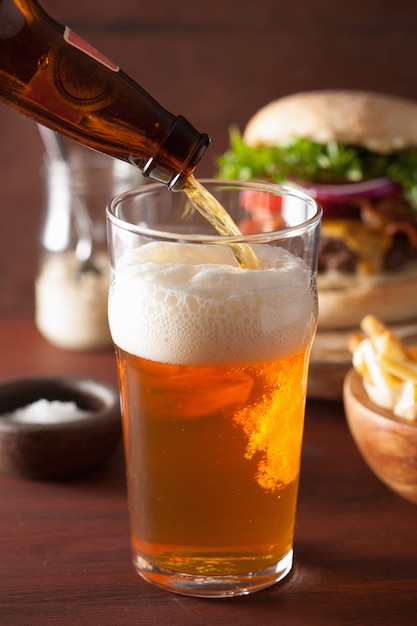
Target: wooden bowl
(387, 443)
(64, 446)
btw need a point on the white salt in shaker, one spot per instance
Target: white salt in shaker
(71, 288)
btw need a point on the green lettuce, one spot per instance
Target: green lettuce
(331, 162)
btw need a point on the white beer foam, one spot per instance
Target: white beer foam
(191, 304)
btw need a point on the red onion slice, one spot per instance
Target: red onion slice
(365, 189)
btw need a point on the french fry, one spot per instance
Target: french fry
(359, 363)
(354, 340)
(406, 404)
(372, 326)
(413, 352)
(403, 370)
(383, 338)
(378, 375)
(388, 368)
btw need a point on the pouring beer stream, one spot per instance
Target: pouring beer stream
(213, 212)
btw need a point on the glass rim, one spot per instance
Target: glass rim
(270, 188)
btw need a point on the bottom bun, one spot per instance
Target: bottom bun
(344, 302)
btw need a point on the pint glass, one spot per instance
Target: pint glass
(212, 362)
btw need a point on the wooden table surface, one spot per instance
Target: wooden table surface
(64, 546)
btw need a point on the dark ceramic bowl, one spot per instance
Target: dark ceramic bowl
(57, 446)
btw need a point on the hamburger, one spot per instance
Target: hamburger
(355, 152)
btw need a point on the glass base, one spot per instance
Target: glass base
(214, 586)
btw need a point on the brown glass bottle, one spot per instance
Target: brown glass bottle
(59, 80)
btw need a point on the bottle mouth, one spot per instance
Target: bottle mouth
(178, 155)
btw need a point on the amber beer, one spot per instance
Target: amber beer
(213, 460)
(212, 361)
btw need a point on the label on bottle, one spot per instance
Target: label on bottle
(78, 42)
(71, 82)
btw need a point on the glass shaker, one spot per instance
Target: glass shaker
(71, 288)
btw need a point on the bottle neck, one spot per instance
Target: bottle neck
(182, 143)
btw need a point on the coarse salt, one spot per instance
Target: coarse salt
(47, 412)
